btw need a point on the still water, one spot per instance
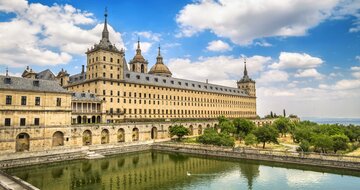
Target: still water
(161, 170)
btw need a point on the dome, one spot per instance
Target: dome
(160, 68)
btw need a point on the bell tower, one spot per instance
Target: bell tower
(138, 63)
(246, 83)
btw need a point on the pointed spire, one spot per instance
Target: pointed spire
(245, 70)
(105, 33)
(159, 59)
(138, 50)
(159, 54)
(7, 71)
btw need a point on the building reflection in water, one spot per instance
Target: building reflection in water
(147, 170)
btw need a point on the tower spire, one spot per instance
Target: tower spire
(138, 50)
(159, 51)
(245, 70)
(7, 71)
(105, 33)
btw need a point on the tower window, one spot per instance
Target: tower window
(7, 121)
(104, 58)
(111, 59)
(23, 100)
(22, 121)
(58, 101)
(8, 100)
(37, 101)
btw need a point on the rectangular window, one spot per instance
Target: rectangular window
(22, 121)
(7, 121)
(58, 101)
(37, 101)
(8, 100)
(23, 100)
(36, 121)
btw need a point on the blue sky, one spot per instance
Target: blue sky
(304, 55)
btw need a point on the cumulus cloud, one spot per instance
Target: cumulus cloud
(309, 73)
(272, 76)
(296, 60)
(144, 46)
(47, 35)
(224, 70)
(345, 84)
(218, 45)
(244, 21)
(148, 35)
(355, 68)
(356, 74)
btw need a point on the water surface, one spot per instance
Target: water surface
(160, 170)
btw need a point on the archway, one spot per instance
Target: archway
(98, 120)
(84, 119)
(58, 139)
(154, 133)
(93, 119)
(87, 138)
(208, 126)
(135, 134)
(104, 136)
(22, 142)
(121, 135)
(191, 128)
(79, 119)
(142, 68)
(200, 130)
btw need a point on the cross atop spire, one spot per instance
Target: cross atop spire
(159, 54)
(105, 33)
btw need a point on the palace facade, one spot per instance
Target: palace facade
(96, 106)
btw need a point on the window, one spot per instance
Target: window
(23, 100)
(58, 101)
(104, 58)
(36, 121)
(111, 59)
(37, 101)
(7, 121)
(8, 100)
(22, 121)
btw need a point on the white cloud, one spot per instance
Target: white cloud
(148, 35)
(263, 43)
(345, 84)
(355, 68)
(356, 74)
(144, 46)
(272, 76)
(244, 21)
(224, 70)
(296, 60)
(47, 35)
(309, 73)
(218, 45)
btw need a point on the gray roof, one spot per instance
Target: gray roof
(77, 77)
(85, 96)
(27, 84)
(46, 75)
(148, 79)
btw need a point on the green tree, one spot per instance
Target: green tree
(340, 142)
(304, 146)
(243, 125)
(222, 119)
(250, 139)
(179, 131)
(322, 142)
(211, 136)
(301, 134)
(283, 125)
(266, 134)
(227, 127)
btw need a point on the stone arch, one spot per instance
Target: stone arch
(105, 136)
(87, 137)
(79, 119)
(199, 130)
(93, 119)
(22, 142)
(191, 129)
(154, 133)
(98, 119)
(58, 139)
(142, 68)
(121, 135)
(208, 126)
(135, 134)
(84, 119)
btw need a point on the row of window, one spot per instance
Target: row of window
(182, 112)
(22, 121)
(9, 100)
(92, 60)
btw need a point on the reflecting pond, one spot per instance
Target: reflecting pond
(163, 170)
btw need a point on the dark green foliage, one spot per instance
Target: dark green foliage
(266, 134)
(179, 131)
(222, 119)
(227, 127)
(243, 125)
(211, 136)
(340, 142)
(301, 134)
(304, 146)
(283, 125)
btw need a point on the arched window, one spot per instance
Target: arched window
(22, 142)
(104, 136)
(135, 134)
(142, 68)
(121, 135)
(87, 138)
(58, 139)
(133, 67)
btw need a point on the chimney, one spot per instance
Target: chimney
(82, 68)
(207, 81)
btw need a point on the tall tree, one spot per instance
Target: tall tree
(179, 131)
(284, 113)
(266, 134)
(283, 125)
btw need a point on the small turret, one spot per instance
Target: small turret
(138, 63)
(246, 83)
(160, 68)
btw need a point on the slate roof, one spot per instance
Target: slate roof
(46, 75)
(85, 96)
(27, 84)
(77, 77)
(149, 79)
